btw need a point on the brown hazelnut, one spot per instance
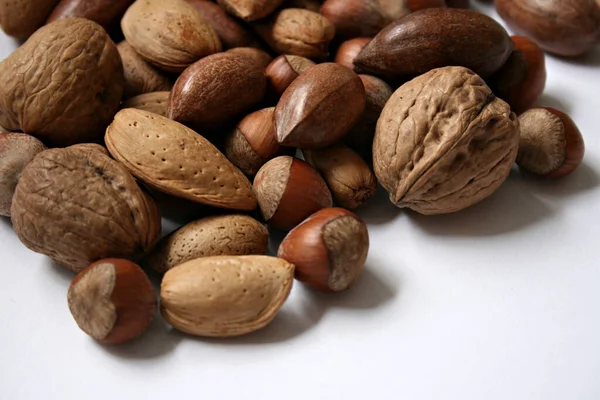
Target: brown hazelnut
(349, 50)
(550, 145)
(329, 249)
(16, 151)
(252, 143)
(289, 190)
(566, 28)
(283, 70)
(351, 181)
(521, 81)
(112, 301)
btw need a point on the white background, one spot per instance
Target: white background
(498, 302)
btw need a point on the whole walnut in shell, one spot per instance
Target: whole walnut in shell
(444, 142)
(64, 85)
(80, 206)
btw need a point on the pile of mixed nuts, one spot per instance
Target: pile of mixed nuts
(203, 106)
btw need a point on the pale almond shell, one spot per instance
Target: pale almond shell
(225, 296)
(176, 160)
(156, 102)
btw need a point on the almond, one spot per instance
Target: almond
(155, 102)
(176, 160)
(170, 35)
(140, 77)
(234, 235)
(225, 296)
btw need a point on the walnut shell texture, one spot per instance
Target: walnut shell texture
(444, 142)
(78, 207)
(234, 235)
(63, 85)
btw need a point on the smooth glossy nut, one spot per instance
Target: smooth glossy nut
(260, 57)
(112, 301)
(551, 145)
(289, 190)
(349, 50)
(329, 249)
(355, 18)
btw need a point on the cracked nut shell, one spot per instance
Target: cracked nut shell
(444, 142)
(80, 206)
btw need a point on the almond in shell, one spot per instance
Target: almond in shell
(155, 102)
(225, 296)
(176, 160)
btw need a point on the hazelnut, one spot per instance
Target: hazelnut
(283, 70)
(551, 145)
(351, 181)
(16, 151)
(289, 190)
(521, 81)
(566, 28)
(112, 301)
(252, 143)
(349, 50)
(354, 18)
(329, 249)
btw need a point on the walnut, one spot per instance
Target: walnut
(79, 206)
(444, 142)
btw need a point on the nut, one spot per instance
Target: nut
(567, 28)
(349, 178)
(231, 32)
(216, 89)
(551, 145)
(395, 8)
(90, 147)
(416, 5)
(140, 77)
(288, 191)
(225, 296)
(250, 10)
(444, 142)
(22, 18)
(297, 32)
(260, 57)
(252, 143)
(329, 249)
(16, 151)
(354, 18)
(78, 207)
(155, 102)
(349, 50)
(521, 81)
(360, 137)
(311, 5)
(171, 158)
(169, 35)
(233, 235)
(104, 12)
(112, 301)
(284, 70)
(433, 38)
(77, 87)
(319, 107)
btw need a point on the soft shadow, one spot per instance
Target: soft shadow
(6, 221)
(379, 209)
(511, 208)
(275, 239)
(370, 291)
(582, 180)
(62, 273)
(591, 59)
(549, 100)
(154, 343)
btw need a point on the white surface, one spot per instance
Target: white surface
(497, 302)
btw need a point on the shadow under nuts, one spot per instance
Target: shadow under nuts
(74, 62)
(112, 301)
(288, 191)
(434, 38)
(225, 296)
(169, 35)
(78, 207)
(567, 28)
(215, 89)
(176, 160)
(329, 249)
(444, 142)
(319, 107)
(233, 235)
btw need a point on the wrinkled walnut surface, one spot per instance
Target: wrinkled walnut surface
(444, 142)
